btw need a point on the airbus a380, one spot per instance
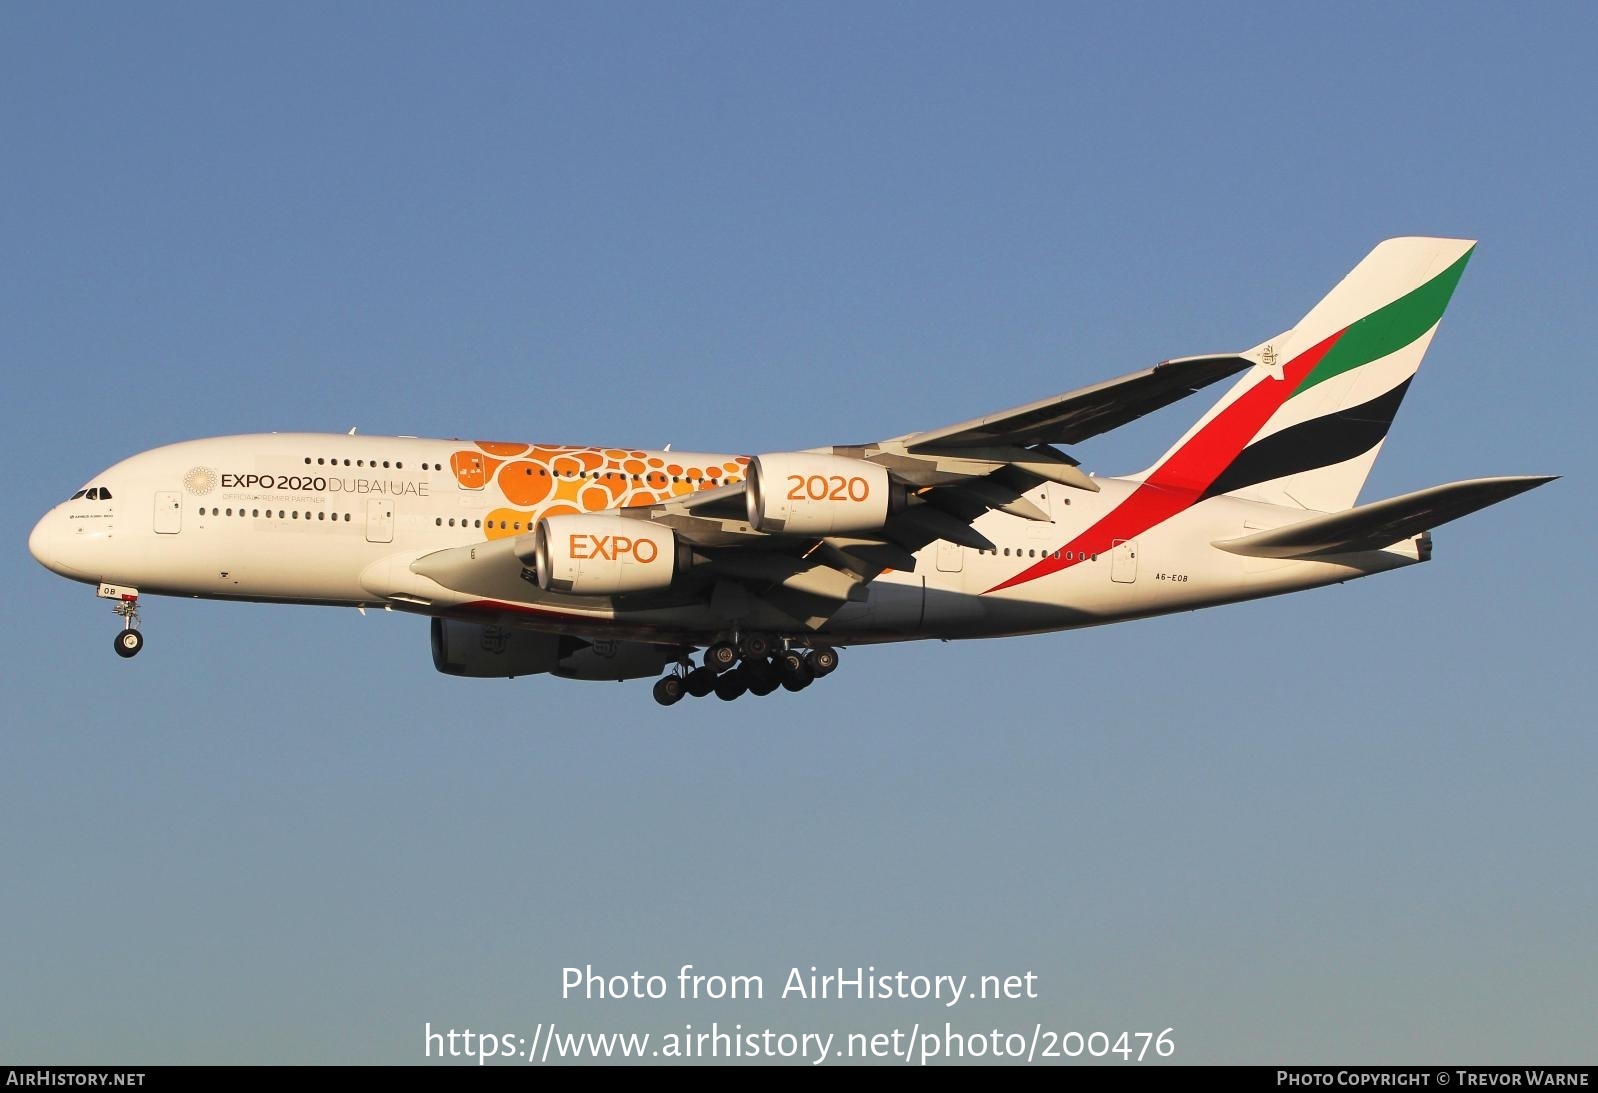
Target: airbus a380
(622, 563)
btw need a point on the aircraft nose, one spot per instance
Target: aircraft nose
(42, 539)
(45, 544)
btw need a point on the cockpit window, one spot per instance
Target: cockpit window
(94, 494)
(77, 495)
(105, 494)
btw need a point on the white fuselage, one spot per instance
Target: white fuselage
(338, 520)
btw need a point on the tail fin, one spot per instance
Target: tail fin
(1304, 426)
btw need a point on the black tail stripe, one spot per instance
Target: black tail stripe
(1319, 442)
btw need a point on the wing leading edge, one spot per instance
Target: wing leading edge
(1075, 416)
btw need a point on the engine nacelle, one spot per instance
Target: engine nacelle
(604, 555)
(501, 652)
(492, 652)
(803, 493)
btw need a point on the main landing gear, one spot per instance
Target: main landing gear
(750, 667)
(128, 640)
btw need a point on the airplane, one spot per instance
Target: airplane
(597, 563)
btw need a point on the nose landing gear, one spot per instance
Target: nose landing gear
(128, 641)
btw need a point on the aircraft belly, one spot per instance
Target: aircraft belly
(894, 607)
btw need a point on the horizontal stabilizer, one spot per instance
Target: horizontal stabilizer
(1382, 523)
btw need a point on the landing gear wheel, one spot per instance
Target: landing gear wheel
(823, 660)
(731, 685)
(129, 642)
(762, 676)
(669, 690)
(700, 682)
(721, 656)
(796, 674)
(770, 682)
(755, 647)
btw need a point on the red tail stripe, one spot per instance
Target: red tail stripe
(1179, 481)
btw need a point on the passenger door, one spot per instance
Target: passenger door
(168, 512)
(1123, 561)
(380, 520)
(951, 557)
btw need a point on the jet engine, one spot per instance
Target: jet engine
(804, 493)
(604, 555)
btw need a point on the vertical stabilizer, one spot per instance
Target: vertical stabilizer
(1304, 426)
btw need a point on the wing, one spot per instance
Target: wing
(1086, 412)
(953, 475)
(948, 477)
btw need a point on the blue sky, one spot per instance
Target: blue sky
(1354, 824)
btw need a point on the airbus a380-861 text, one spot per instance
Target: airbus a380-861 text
(621, 563)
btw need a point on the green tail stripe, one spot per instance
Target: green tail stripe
(1388, 329)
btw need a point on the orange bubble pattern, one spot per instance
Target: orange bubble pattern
(541, 480)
